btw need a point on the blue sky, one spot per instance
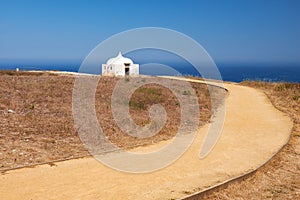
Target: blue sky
(230, 30)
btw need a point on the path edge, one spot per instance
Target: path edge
(222, 185)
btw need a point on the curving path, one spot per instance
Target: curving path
(253, 132)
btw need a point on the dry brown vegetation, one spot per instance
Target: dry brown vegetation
(40, 127)
(279, 178)
(139, 105)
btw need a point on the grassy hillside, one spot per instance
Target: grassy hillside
(40, 128)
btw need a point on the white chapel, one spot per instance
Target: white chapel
(120, 66)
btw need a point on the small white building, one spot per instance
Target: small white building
(120, 66)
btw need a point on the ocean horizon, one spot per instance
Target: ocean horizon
(229, 72)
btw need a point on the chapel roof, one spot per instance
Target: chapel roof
(119, 60)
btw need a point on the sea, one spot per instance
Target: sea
(229, 72)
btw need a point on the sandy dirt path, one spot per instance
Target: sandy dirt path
(253, 131)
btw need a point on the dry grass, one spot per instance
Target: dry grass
(25, 73)
(139, 105)
(278, 179)
(41, 129)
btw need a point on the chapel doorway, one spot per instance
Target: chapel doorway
(127, 68)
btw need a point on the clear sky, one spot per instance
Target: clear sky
(230, 30)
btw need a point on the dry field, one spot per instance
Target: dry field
(279, 178)
(40, 128)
